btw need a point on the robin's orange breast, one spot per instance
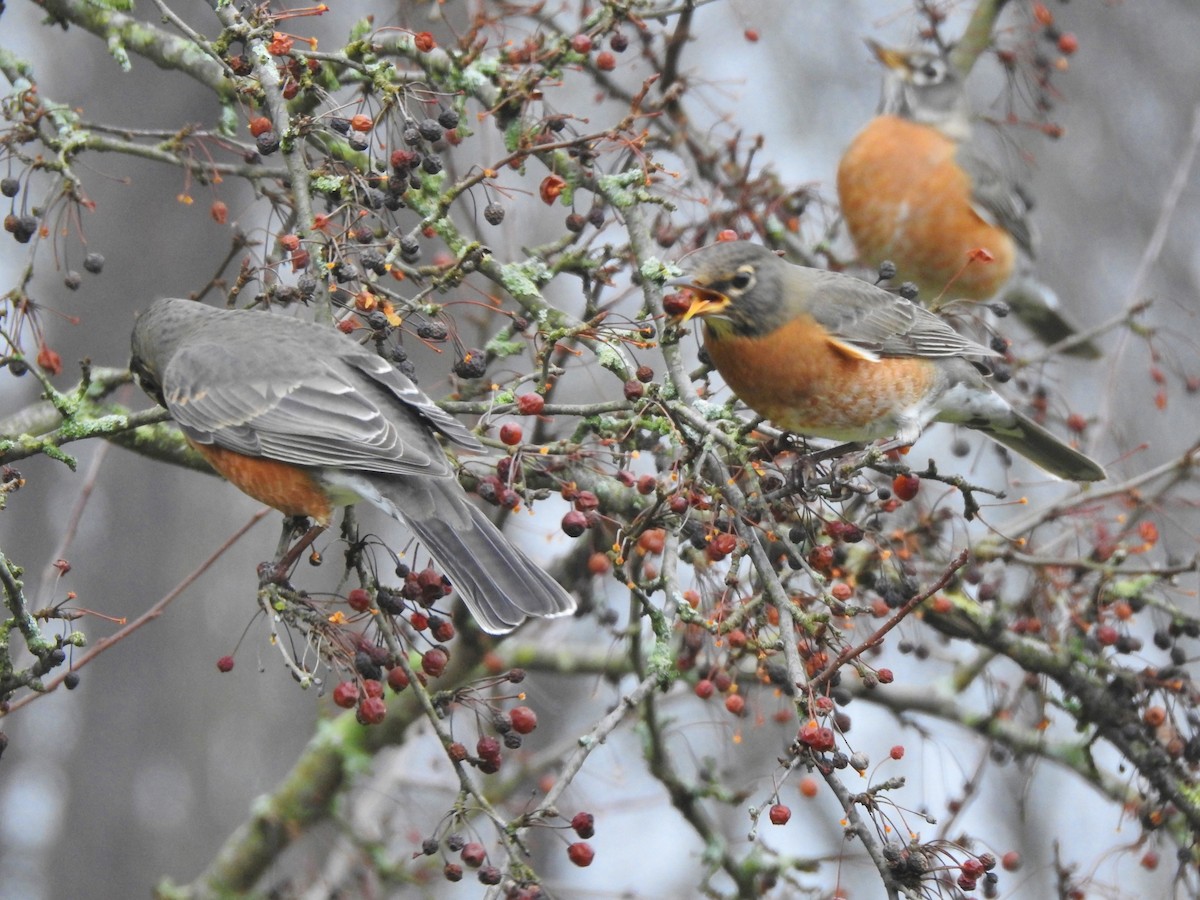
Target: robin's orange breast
(800, 380)
(905, 198)
(290, 489)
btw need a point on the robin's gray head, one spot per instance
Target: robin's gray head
(923, 86)
(737, 287)
(156, 335)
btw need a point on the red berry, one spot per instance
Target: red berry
(751, 34)
(358, 600)
(259, 125)
(780, 814)
(372, 688)
(584, 824)
(225, 664)
(574, 523)
(634, 389)
(345, 694)
(885, 676)
(511, 433)
(676, 304)
(1107, 635)
(419, 621)
(473, 854)
(530, 404)
(972, 868)
(1067, 43)
(647, 485)
(443, 631)
(433, 662)
(1011, 861)
(424, 41)
(906, 486)
(361, 122)
(371, 711)
(735, 703)
(581, 853)
(704, 688)
(897, 752)
(581, 43)
(727, 234)
(452, 872)
(808, 786)
(397, 679)
(606, 61)
(523, 719)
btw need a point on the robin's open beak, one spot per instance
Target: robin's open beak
(897, 60)
(704, 302)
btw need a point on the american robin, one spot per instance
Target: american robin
(827, 355)
(305, 420)
(916, 189)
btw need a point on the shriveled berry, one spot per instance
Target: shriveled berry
(94, 263)
(72, 280)
(260, 125)
(634, 389)
(584, 824)
(448, 118)
(267, 143)
(371, 711)
(472, 364)
(9, 187)
(493, 213)
(430, 130)
(345, 694)
(358, 600)
(431, 164)
(452, 871)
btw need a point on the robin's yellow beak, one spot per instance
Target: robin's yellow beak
(897, 60)
(704, 302)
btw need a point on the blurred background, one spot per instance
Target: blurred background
(142, 772)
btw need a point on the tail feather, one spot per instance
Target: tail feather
(1037, 306)
(499, 584)
(1035, 443)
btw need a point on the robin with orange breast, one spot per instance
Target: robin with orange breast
(305, 420)
(826, 355)
(916, 189)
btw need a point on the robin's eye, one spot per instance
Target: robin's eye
(741, 280)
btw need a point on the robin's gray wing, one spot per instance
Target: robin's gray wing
(314, 410)
(997, 197)
(869, 319)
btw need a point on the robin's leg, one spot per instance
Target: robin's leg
(804, 471)
(277, 571)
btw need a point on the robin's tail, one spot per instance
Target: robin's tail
(499, 584)
(1036, 305)
(1035, 443)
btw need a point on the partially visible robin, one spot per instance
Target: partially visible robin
(916, 189)
(823, 354)
(305, 420)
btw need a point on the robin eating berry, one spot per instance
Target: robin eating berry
(826, 355)
(305, 420)
(917, 189)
